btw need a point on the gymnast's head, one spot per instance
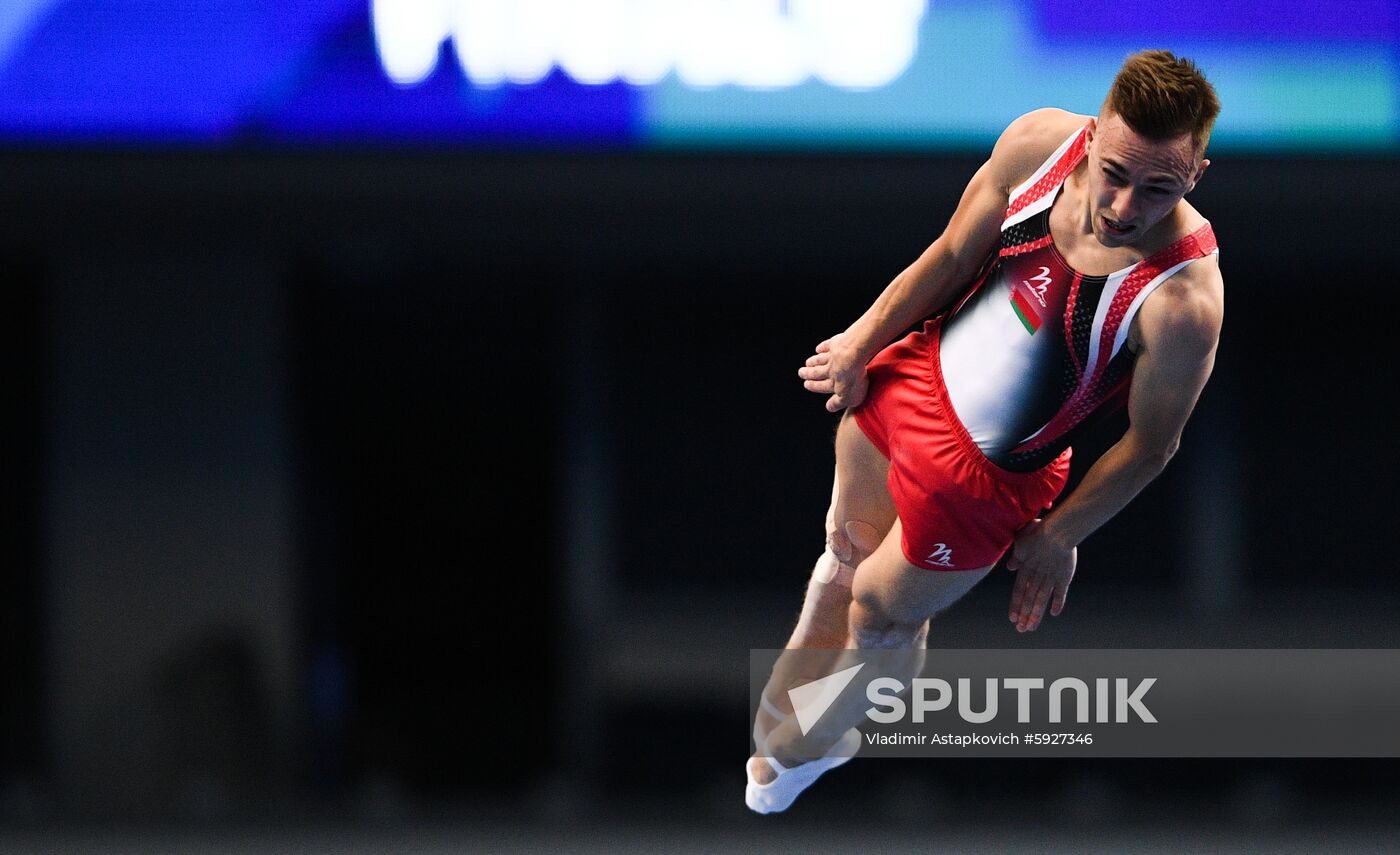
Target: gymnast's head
(1147, 146)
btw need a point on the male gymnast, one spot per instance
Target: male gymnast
(1072, 279)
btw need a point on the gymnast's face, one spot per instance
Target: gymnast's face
(1134, 181)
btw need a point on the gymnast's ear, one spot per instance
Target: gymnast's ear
(1200, 170)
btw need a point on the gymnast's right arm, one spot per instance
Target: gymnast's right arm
(938, 275)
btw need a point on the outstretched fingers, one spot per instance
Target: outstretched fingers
(1032, 617)
(1030, 596)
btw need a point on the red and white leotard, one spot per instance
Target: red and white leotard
(1037, 348)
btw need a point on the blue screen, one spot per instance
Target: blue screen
(811, 74)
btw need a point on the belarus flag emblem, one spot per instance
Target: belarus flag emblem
(1027, 315)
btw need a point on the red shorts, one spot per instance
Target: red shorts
(959, 510)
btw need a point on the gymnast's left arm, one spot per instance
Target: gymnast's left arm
(1179, 329)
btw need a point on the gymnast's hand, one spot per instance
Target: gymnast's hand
(1043, 571)
(838, 370)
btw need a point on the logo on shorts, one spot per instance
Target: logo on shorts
(941, 555)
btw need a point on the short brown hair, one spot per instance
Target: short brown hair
(1161, 95)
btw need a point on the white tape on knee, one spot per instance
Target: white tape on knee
(830, 570)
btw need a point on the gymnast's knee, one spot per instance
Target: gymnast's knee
(872, 629)
(846, 546)
(879, 622)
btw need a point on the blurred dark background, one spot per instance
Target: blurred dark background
(401, 486)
